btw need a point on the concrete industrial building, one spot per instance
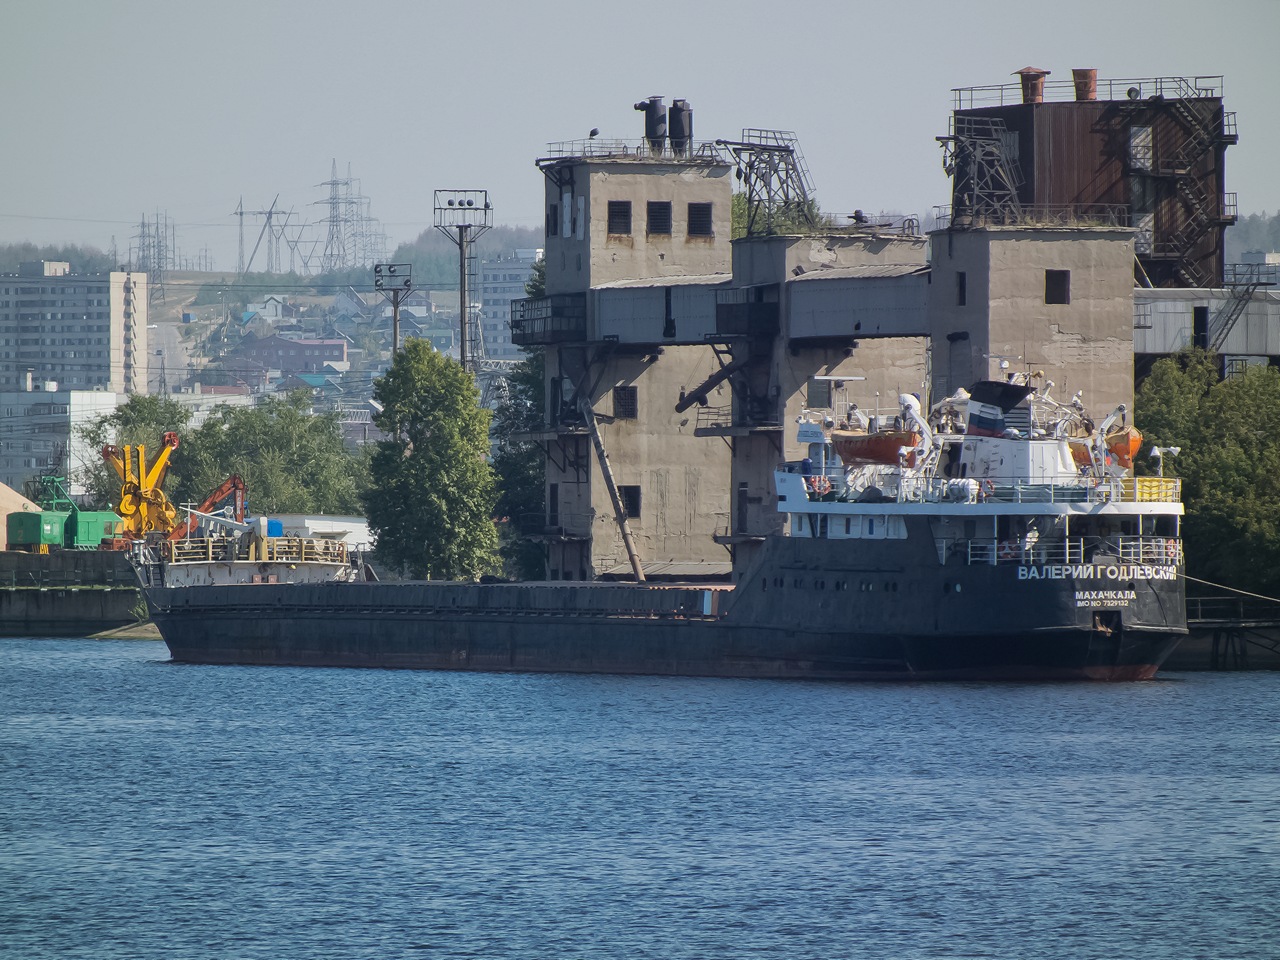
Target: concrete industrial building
(82, 331)
(1147, 153)
(628, 481)
(1030, 297)
(656, 340)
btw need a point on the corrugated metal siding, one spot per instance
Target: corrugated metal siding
(879, 307)
(1256, 332)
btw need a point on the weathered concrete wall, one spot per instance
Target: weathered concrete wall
(1086, 344)
(683, 478)
(758, 260)
(582, 253)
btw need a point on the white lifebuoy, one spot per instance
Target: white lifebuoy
(1171, 547)
(1008, 550)
(819, 485)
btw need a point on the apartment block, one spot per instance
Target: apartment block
(81, 331)
(502, 280)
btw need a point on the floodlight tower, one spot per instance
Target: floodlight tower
(394, 281)
(462, 216)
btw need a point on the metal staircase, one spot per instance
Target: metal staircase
(1201, 209)
(1243, 280)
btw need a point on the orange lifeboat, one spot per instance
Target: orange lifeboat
(1124, 446)
(856, 449)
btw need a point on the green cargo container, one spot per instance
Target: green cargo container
(88, 528)
(29, 530)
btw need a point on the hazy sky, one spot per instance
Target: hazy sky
(116, 109)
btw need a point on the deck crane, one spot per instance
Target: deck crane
(143, 506)
(233, 486)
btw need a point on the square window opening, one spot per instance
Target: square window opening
(700, 220)
(1057, 286)
(626, 403)
(659, 217)
(620, 217)
(630, 496)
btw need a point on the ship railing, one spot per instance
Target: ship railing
(1084, 490)
(1073, 550)
(1161, 550)
(297, 550)
(924, 488)
(268, 550)
(996, 551)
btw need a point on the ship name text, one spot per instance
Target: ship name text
(1098, 571)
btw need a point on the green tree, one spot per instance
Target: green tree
(795, 218)
(292, 461)
(536, 285)
(139, 420)
(521, 468)
(432, 496)
(1229, 435)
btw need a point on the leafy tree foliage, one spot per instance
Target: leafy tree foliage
(798, 219)
(521, 468)
(1258, 231)
(1229, 432)
(139, 420)
(536, 285)
(292, 461)
(432, 495)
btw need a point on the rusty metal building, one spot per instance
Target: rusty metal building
(1144, 153)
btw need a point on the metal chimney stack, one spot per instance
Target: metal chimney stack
(655, 123)
(1086, 83)
(681, 128)
(1032, 84)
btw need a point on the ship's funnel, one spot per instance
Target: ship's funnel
(989, 401)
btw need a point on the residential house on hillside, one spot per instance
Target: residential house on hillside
(294, 356)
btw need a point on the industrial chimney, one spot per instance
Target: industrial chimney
(655, 123)
(681, 127)
(1032, 84)
(1086, 83)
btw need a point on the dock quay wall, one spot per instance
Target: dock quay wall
(70, 593)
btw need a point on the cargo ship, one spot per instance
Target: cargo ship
(998, 535)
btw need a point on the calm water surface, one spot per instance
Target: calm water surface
(149, 810)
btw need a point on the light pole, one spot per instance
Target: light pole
(462, 216)
(1160, 453)
(394, 281)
